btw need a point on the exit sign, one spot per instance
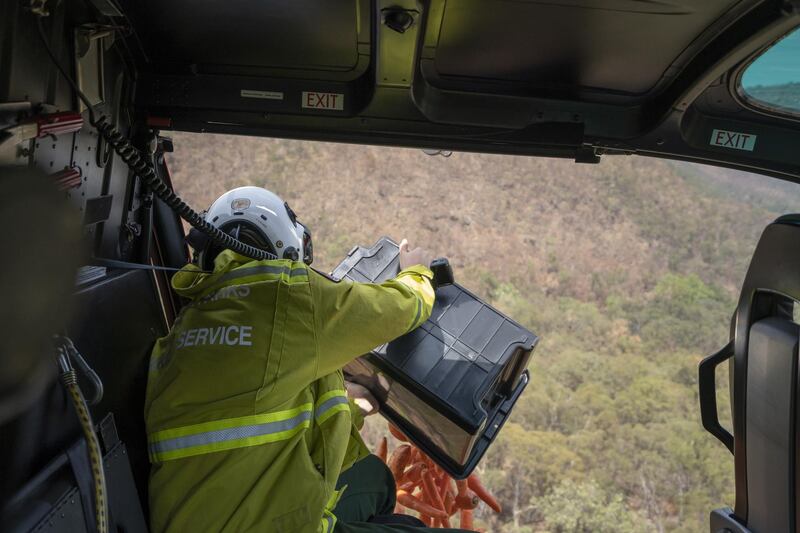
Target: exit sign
(330, 101)
(733, 139)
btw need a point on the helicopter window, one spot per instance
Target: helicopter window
(628, 269)
(772, 81)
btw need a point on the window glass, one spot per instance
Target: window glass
(773, 80)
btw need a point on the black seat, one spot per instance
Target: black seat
(118, 320)
(764, 352)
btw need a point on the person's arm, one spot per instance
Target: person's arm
(353, 318)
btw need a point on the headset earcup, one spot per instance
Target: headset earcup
(201, 244)
(197, 240)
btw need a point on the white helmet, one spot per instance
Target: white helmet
(257, 217)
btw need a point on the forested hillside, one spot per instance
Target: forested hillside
(628, 270)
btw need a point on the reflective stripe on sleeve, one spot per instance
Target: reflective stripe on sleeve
(327, 524)
(419, 284)
(328, 521)
(329, 404)
(228, 434)
(414, 324)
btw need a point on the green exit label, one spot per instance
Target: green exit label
(733, 139)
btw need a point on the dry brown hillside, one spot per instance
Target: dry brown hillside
(565, 228)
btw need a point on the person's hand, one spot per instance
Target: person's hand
(417, 256)
(362, 397)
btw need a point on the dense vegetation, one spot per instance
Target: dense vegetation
(628, 270)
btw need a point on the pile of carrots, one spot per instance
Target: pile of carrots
(422, 486)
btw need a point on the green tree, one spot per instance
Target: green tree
(586, 508)
(524, 465)
(684, 312)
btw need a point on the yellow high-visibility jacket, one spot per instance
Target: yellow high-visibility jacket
(247, 418)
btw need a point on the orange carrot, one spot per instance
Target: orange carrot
(383, 448)
(399, 460)
(427, 520)
(412, 502)
(462, 486)
(414, 473)
(449, 503)
(466, 519)
(426, 496)
(444, 484)
(396, 433)
(415, 455)
(428, 461)
(408, 486)
(483, 494)
(415, 482)
(433, 493)
(434, 497)
(469, 500)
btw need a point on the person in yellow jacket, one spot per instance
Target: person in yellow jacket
(249, 424)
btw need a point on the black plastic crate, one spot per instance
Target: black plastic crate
(451, 383)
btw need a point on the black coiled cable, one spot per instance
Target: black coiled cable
(131, 156)
(144, 171)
